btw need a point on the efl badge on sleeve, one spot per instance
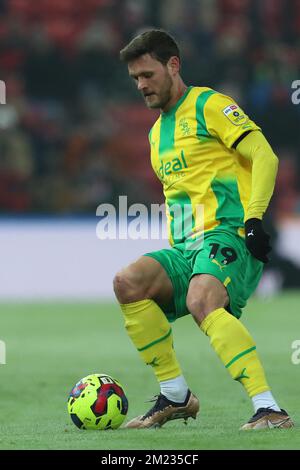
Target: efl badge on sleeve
(235, 114)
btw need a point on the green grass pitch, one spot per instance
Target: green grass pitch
(51, 346)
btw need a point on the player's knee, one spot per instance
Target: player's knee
(128, 286)
(205, 295)
(197, 307)
(201, 304)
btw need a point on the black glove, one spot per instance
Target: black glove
(257, 240)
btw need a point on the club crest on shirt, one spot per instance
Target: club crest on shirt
(235, 114)
(184, 126)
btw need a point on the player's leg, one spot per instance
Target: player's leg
(143, 289)
(207, 300)
(143, 279)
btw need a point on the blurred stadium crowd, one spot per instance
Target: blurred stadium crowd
(73, 133)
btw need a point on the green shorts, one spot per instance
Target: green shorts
(222, 254)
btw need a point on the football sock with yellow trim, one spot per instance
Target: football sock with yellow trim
(150, 332)
(236, 349)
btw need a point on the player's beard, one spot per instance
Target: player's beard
(164, 95)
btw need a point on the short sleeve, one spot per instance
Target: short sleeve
(226, 120)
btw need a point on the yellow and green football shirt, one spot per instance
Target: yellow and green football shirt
(193, 154)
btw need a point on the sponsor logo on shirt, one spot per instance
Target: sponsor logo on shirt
(173, 165)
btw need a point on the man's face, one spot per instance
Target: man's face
(153, 80)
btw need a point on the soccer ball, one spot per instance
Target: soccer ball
(97, 402)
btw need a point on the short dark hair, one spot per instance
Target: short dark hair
(156, 42)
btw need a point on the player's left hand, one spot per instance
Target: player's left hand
(257, 240)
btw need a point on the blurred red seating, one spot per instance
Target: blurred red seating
(43, 9)
(63, 31)
(129, 148)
